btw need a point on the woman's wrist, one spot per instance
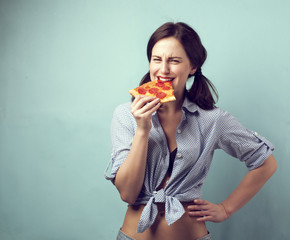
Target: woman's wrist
(142, 132)
(226, 210)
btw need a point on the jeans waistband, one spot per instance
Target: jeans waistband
(123, 236)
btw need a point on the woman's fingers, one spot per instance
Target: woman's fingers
(199, 208)
(136, 99)
(142, 109)
(153, 109)
(206, 211)
(142, 104)
(150, 106)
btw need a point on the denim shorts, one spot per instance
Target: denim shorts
(123, 236)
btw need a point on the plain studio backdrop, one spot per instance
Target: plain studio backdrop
(65, 66)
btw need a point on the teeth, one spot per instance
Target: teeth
(165, 79)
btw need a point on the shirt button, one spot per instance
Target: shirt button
(256, 133)
(179, 155)
(178, 131)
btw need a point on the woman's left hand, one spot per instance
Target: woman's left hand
(206, 211)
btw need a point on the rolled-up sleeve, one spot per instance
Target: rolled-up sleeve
(122, 133)
(242, 143)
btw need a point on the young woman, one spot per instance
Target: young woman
(161, 153)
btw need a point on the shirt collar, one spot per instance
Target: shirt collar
(189, 105)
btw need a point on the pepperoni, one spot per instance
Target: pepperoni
(166, 87)
(142, 90)
(153, 90)
(161, 95)
(160, 84)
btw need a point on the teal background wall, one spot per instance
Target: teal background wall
(57, 61)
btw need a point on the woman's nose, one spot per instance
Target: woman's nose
(165, 69)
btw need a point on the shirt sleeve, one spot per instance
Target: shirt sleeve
(122, 133)
(242, 143)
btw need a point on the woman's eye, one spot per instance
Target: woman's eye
(156, 59)
(174, 60)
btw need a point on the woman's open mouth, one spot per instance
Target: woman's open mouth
(165, 79)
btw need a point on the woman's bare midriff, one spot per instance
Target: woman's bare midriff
(186, 228)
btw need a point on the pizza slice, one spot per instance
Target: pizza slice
(159, 89)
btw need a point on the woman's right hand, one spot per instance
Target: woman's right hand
(142, 109)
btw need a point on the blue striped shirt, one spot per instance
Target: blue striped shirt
(199, 133)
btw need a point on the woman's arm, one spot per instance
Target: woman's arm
(246, 190)
(130, 176)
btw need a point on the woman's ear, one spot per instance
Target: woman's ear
(193, 70)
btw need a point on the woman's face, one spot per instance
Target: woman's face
(169, 62)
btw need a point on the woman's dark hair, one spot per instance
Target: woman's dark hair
(201, 89)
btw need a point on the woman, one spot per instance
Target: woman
(161, 153)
